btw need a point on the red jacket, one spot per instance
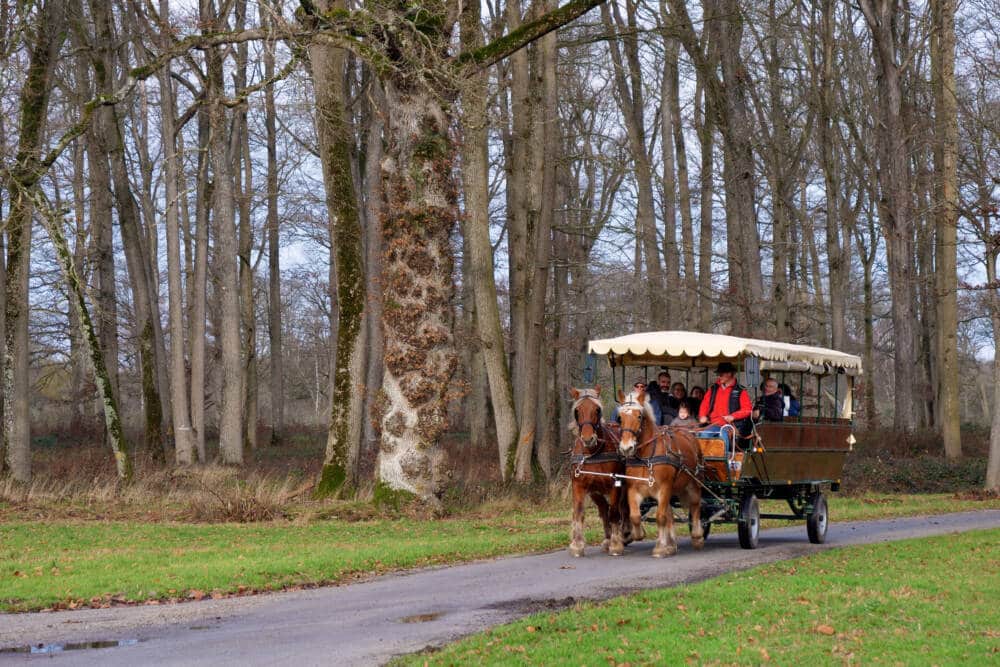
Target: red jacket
(721, 407)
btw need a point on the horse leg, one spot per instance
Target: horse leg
(666, 542)
(693, 492)
(577, 543)
(624, 523)
(635, 518)
(603, 510)
(616, 543)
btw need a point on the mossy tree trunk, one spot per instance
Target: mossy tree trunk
(112, 418)
(47, 35)
(347, 255)
(134, 241)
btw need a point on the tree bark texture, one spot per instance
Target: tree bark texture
(347, 255)
(46, 39)
(418, 217)
(946, 224)
(225, 262)
(184, 444)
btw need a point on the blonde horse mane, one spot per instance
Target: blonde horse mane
(647, 406)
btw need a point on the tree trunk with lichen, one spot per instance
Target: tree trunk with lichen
(134, 241)
(418, 218)
(112, 418)
(47, 37)
(347, 255)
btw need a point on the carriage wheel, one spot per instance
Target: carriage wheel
(748, 524)
(818, 520)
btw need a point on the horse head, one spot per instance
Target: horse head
(587, 414)
(635, 415)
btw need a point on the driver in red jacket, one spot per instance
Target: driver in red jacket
(725, 403)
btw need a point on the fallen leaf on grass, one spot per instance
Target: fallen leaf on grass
(195, 594)
(825, 630)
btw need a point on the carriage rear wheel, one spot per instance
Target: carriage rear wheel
(748, 523)
(818, 520)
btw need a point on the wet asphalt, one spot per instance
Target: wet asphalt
(369, 623)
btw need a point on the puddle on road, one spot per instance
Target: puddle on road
(69, 646)
(422, 618)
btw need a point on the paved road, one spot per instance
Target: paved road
(368, 623)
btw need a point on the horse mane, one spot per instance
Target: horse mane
(647, 406)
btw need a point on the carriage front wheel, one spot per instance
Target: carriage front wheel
(817, 521)
(748, 523)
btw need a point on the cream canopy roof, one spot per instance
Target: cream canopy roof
(682, 349)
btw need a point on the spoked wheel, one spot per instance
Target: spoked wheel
(817, 521)
(748, 524)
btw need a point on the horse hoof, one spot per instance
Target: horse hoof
(605, 544)
(662, 552)
(575, 551)
(698, 543)
(616, 551)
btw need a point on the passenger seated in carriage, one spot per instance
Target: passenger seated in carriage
(770, 404)
(662, 399)
(726, 407)
(684, 418)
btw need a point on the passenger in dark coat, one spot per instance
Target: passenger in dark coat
(661, 396)
(770, 404)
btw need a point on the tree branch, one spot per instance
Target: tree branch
(502, 47)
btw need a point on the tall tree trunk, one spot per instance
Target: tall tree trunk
(199, 292)
(134, 240)
(112, 418)
(368, 454)
(895, 211)
(706, 135)
(418, 218)
(519, 248)
(184, 442)
(46, 40)
(277, 359)
(993, 463)
(225, 259)
(542, 200)
(347, 255)
(946, 223)
(475, 176)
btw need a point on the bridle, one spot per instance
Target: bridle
(596, 423)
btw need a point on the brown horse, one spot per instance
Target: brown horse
(594, 458)
(667, 462)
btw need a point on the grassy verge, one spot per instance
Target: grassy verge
(71, 563)
(928, 601)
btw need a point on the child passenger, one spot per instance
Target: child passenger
(684, 418)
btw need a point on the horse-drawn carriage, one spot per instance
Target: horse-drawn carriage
(793, 460)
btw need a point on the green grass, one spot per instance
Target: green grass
(48, 563)
(928, 601)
